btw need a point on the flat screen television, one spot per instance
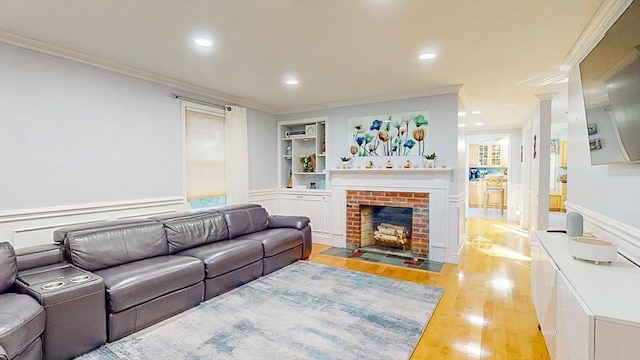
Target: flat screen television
(611, 88)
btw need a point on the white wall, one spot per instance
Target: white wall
(74, 134)
(608, 196)
(263, 150)
(443, 126)
(81, 144)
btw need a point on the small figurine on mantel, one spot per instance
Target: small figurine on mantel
(407, 165)
(370, 165)
(389, 164)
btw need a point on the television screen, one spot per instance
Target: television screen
(611, 89)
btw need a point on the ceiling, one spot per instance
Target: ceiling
(341, 51)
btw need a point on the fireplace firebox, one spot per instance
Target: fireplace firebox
(398, 219)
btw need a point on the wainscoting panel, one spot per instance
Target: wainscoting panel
(30, 227)
(269, 199)
(627, 238)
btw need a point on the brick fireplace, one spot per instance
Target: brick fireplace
(359, 201)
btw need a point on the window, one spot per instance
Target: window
(205, 158)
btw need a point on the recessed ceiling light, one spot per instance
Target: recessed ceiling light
(462, 125)
(203, 42)
(291, 82)
(427, 56)
(479, 123)
(476, 112)
(462, 114)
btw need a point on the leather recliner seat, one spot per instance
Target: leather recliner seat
(144, 284)
(22, 318)
(153, 269)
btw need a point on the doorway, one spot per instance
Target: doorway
(487, 164)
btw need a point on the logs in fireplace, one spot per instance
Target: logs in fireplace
(391, 235)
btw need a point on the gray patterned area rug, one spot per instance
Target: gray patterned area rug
(303, 311)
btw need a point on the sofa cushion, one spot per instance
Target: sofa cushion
(137, 282)
(225, 256)
(276, 241)
(195, 229)
(59, 235)
(245, 220)
(22, 320)
(8, 266)
(103, 247)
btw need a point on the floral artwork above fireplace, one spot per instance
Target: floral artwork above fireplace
(390, 134)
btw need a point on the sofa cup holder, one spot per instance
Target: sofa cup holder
(80, 278)
(53, 285)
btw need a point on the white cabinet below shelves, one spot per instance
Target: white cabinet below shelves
(317, 207)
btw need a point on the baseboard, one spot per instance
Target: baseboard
(627, 237)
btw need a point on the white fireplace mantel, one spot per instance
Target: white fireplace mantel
(445, 244)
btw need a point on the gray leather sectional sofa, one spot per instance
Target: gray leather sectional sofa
(152, 269)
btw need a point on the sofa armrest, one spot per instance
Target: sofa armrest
(282, 221)
(3, 354)
(40, 255)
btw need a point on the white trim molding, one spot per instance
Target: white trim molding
(606, 15)
(29, 227)
(627, 237)
(72, 55)
(452, 89)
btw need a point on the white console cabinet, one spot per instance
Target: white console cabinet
(585, 311)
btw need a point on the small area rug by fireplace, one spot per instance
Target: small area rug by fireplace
(388, 258)
(303, 311)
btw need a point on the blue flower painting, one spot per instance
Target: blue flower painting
(390, 135)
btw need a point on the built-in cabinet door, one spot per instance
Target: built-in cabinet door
(504, 155)
(564, 145)
(554, 202)
(575, 324)
(473, 155)
(326, 214)
(483, 155)
(289, 204)
(316, 207)
(473, 194)
(544, 293)
(311, 207)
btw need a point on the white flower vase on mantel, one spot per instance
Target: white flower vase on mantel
(346, 164)
(430, 163)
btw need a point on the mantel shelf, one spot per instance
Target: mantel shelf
(396, 170)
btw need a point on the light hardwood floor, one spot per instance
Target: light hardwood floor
(486, 311)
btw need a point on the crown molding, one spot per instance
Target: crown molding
(453, 89)
(606, 15)
(72, 55)
(463, 99)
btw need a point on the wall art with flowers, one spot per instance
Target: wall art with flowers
(390, 135)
